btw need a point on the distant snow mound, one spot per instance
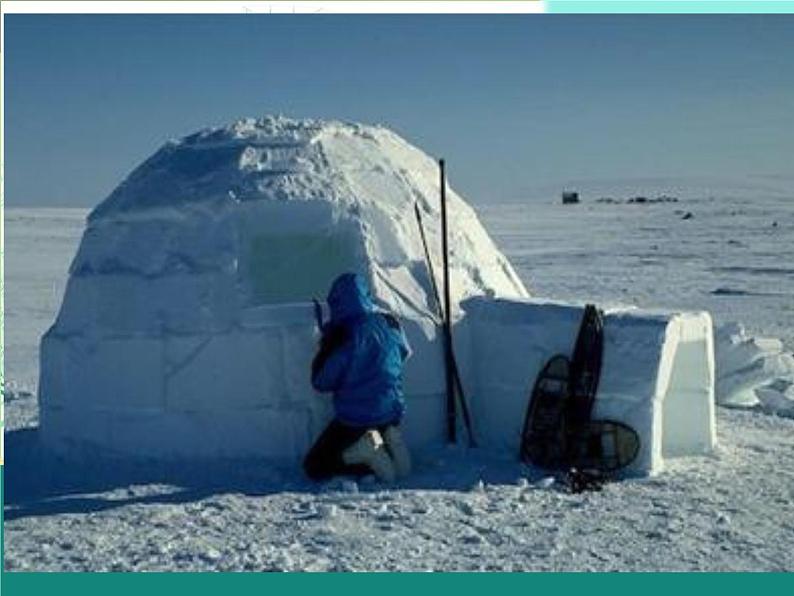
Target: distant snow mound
(270, 211)
(753, 372)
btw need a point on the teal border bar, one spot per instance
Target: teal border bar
(670, 6)
(386, 585)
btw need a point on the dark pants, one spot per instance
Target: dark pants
(324, 459)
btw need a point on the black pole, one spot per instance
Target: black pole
(447, 329)
(440, 314)
(429, 266)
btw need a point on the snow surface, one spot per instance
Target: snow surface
(462, 509)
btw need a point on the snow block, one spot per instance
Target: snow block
(224, 371)
(300, 343)
(129, 304)
(81, 372)
(657, 374)
(754, 371)
(269, 433)
(421, 371)
(272, 433)
(68, 431)
(425, 419)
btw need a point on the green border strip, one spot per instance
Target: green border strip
(670, 6)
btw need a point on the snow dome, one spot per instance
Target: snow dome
(186, 327)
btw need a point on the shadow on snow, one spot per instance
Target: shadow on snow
(40, 483)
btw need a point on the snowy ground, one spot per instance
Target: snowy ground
(460, 510)
(733, 257)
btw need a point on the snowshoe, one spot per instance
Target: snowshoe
(543, 440)
(602, 445)
(586, 366)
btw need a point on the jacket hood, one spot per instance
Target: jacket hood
(349, 296)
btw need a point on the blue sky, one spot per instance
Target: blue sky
(512, 102)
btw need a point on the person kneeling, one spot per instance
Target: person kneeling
(360, 360)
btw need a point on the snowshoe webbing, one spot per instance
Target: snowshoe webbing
(543, 439)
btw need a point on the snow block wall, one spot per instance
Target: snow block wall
(244, 392)
(657, 373)
(186, 328)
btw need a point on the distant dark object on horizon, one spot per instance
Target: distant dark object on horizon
(570, 197)
(638, 200)
(688, 215)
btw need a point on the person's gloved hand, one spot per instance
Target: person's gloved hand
(318, 314)
(332, 337)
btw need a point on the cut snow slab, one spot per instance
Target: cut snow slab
(754, 372)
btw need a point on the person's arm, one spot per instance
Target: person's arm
(332, 359)
(405, 348)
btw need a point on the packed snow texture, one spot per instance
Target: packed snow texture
(462, 509)
(229, 215)
(186, 328)
(756, 371)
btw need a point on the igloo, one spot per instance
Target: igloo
(187, 328)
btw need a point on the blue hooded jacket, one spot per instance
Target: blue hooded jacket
(361, 357)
